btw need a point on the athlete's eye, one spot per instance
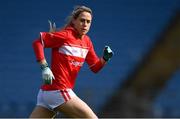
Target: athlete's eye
(88, 21)
(84, 20)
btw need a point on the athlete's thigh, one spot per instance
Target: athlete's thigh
(41, 112)
(75, 107)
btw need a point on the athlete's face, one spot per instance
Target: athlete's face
(82, 23)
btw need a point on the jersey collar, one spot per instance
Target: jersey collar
(74, 31)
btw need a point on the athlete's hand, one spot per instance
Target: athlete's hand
(108, 53)
(52, 26)
(47, 74)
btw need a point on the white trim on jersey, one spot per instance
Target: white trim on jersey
(73, 51)
(41, 39)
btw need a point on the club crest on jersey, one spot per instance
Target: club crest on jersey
(76, 63)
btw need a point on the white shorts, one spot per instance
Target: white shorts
(54, 98)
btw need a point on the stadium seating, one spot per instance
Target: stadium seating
(130, 35)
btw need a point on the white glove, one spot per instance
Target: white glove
(47, 75)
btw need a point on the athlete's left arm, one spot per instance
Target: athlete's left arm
(95, 63)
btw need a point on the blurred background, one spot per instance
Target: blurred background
(142, 78)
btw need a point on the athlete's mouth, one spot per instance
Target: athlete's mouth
(83, 29)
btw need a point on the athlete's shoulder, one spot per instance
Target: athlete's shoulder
(56, 33)
(69, 31)
(87, 38)
(61, 33)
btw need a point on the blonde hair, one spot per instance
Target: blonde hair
(75, 13)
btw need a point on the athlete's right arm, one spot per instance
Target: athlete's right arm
(47, 40)
(47, 74)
